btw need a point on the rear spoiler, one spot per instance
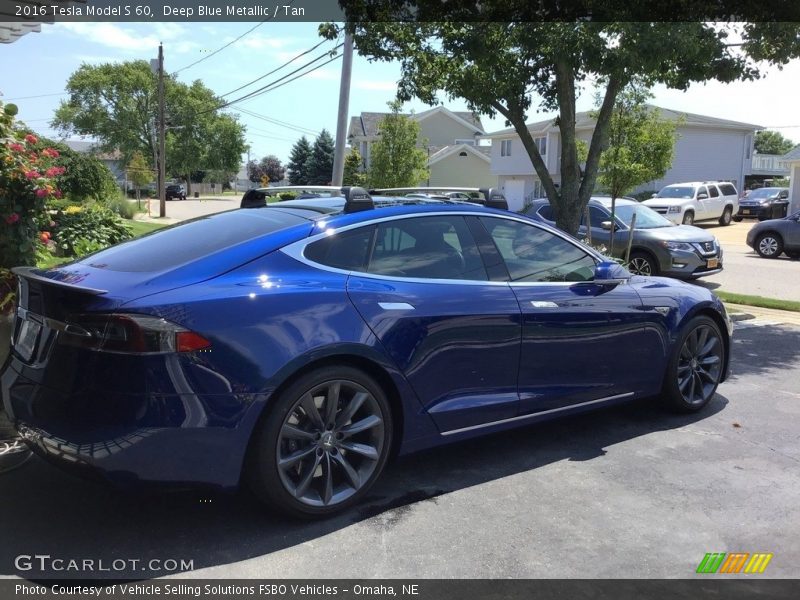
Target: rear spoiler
(29, 273)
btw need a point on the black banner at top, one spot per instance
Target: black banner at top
(53, 11)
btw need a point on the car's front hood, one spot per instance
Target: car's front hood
(678, 233)
(667, 201)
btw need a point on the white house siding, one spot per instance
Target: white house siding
(461, 171)
(708, 155)
(440, 130)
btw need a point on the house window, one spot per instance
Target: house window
(541, 144)
(538, 190)
(467, 141)
(505, 148)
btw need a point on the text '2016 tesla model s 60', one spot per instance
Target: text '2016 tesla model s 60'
(296, 347)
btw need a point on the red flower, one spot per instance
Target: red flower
(31, 139)
(51, 152)
(16, 147)
(44, 237)
(32, 174)
(57, 194)
(42, 193)
(12, 218)
(53, 171)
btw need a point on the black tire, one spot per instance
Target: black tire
(727, 215)
(330, 459)
(769, 245)
(793, 254)
(688, 217)
(737, 219)
(695, 367)
(642, 263)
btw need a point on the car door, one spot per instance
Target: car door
(580, 340)
(715, 202)
(703, 204)
(455, 334)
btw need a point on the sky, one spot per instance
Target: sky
(39, 64)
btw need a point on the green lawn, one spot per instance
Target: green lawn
(760, 301)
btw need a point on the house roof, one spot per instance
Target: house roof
(481, 152)
(366, 125)
(793, 154)
(93, 148)
(584, 120)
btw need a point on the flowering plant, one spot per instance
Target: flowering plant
(27, 181)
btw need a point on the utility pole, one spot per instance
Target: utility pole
(162, 142)
(344, 104)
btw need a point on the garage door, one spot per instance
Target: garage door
(514, 191)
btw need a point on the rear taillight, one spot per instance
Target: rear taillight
(130, 334)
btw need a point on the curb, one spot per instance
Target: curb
(771, 314)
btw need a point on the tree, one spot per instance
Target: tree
(297, 162)
(354, 169)
(319, 165)
(139, 172)
(509, 56)
(116, 103)
(641, 145)
(772, 142)
(396, 161)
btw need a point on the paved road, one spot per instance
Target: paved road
(627, 492)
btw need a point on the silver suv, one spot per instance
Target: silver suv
(685, 203)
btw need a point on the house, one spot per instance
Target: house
(765, 169)
(112, 160)
(793, 160)
(707, 148)
(450, 139)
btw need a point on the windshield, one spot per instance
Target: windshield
(762, 193)
(676, 192)
(646, 218)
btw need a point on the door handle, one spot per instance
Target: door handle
(395, 306)
(543, 304)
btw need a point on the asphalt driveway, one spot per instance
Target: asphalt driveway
(626, 492)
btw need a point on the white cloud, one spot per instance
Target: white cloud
(381, 86)
(129, 40)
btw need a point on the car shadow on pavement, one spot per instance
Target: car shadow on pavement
(47, 512)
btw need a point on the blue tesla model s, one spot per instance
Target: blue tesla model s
(297, 346)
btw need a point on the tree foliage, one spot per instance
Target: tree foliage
(297, 162)
(395, 159)
(140, 173)
(354, 169)
(772, 142)
(505, 57)
(269, 166)
(117, 103)
(319, 165)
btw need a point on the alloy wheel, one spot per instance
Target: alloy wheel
(700, 365)
(330, 443)
(639, 265)
(768, 246)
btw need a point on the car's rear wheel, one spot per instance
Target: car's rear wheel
(688, 218)
(642, 263)
(727, 214)
(323, 444)
(696, 366)
(769, 245)
(737, 219)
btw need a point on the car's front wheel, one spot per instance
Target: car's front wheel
(642, 263)
(323, 443)
(688, 218)
(769, 245)
(696, 365)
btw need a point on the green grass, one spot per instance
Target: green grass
(142, 227)
(759, 301)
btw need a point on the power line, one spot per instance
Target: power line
(218, 50)
(298, 128)
(37, 96)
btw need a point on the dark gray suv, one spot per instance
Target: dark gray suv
(659, 246)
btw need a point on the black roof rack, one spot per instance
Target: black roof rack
(356, 199)
(494, 198)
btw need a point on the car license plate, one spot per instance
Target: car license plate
(26, 340)
(745, 211)
(712, 263)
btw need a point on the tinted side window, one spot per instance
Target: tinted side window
(701, 190)
(727, 189)
(347, 250)
(547, 213)
(596, 217)
(532, 254)
(713, 191)
(439, 247)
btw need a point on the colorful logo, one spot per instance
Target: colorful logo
(734, 562)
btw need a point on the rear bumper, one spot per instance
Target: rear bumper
(147, 438)
(755, 212)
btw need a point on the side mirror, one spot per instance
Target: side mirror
(610, 273)
(783, 195)
(702, 196)
(654, 195)
(607, 225)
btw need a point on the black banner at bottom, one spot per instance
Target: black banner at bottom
(405, 589)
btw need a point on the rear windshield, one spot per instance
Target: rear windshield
(184, 243)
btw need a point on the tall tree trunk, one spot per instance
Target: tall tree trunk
(568, 211)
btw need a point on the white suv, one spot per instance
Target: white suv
(696, 201)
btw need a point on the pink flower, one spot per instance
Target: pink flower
(12, 218)
(53, 171)
(32, 174)
(31, 139)
(57, 194)
(51, 152)
(42, 193)
(16, 147)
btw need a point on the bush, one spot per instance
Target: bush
(646, 195)
(88, 228)
(287, 195)
(121, 206)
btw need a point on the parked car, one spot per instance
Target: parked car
(296, 347)
(685, 203)
(770, 238)
(175, 191)
(659, 246)
(764, 203)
